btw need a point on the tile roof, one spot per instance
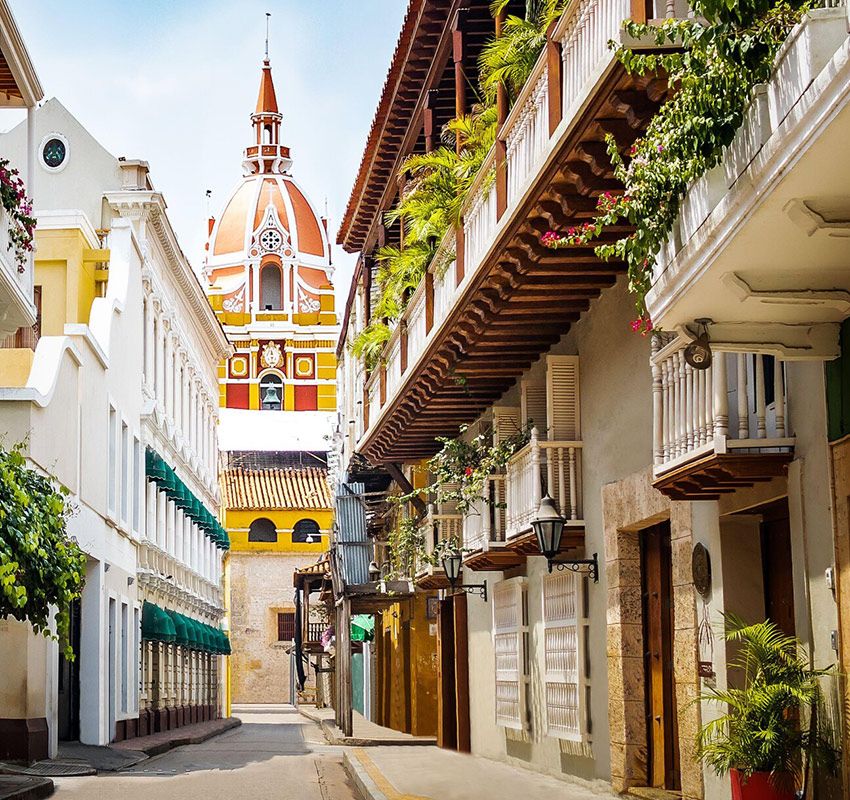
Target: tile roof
(276, 488)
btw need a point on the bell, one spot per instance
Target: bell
(271, 399)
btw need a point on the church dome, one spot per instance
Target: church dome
(269, 212)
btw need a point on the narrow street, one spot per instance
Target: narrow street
(277, 755)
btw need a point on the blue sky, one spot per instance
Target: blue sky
(174, 82)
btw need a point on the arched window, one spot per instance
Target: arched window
(267, 134)
(271, 392)
(262, 530)
(306, 531)
(270, 283)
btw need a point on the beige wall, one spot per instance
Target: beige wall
(260, 587)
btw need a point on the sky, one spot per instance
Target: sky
(174, 82)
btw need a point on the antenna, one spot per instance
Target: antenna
(268, 15)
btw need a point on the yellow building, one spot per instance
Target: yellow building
(278, 513)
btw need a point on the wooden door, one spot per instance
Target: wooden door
(461, 667)
(446, 704)
(777, 570)
(661, 718)
(408, 683)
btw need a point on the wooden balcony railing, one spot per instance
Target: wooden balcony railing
(485, 524)
(314, 632)
(436, 527)
(736, 409)
(543, 466)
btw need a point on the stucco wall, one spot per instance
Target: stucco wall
(260, 587)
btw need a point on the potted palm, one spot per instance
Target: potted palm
(772, 729)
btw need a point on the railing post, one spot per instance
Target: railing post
(428, 119)
(382, 384)
(721, 399)
(429, 301)
(365, 406)
(573, 487)
(536, 477)
(779, 398)
(459, 253)
(554, 65)
(743, 396)
(501, 149)
(402, 342)
(639, 10)
(761, 410)
(657, 403)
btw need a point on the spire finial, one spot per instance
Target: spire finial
(268, 15)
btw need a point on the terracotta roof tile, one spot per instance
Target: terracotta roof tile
(300, 488)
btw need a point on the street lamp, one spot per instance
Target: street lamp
(548, 527)
(452, 565)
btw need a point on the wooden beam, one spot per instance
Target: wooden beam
(394, 471)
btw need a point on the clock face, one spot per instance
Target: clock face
(271, 240)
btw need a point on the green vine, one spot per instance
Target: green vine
(40, 565)
(721, 56)
(460, 470)
(406, 544)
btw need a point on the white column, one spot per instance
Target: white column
(150, 506)
(161, 520)
(31, 190)
(170, 521)
(169, 376)
(159, 366)
(149, 342)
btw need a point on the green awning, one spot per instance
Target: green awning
(225, 644)
(362, 628)
(157, 625)
(180, 626)
(193, 633)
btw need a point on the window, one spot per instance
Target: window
(286, 626)
(112, 462)
(510, 634)
(306, 531)
(271, 392)
(125, 694)
(270, 287)
(138, 482)
(565, 632)
(125, 470)
(54, 152)
(262, 530)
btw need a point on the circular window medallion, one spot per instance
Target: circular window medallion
(271, 240)
(701, 568)
(54, 152)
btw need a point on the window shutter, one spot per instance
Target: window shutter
(562, 398)
(506, 422)
(533, 394)
(565, 632)
(510, 632)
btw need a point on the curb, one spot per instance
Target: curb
(29, 788)
(157, 748)
(361, 779)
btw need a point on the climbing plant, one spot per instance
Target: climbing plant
(720, 56)
(14, 201)
(406, 544)
(42, 569)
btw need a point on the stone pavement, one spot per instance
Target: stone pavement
(273, 755)
(364, 734)
(420, 773)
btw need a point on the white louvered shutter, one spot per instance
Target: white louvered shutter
(565, 631)
(510, 634)
(533, 395)
(506, 422)
(562, 398)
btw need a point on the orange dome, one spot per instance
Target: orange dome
(270, 205)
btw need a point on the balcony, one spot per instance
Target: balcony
(718, 429)
(494, 299)
(484, 530)
(436, 527)
(762, 243)
(17, 309)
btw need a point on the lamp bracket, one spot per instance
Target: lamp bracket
(472, 588)
(582, 566)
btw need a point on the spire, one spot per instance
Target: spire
(266, 100)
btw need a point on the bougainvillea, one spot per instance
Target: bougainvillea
(42, 570)
(18, 206)
(721, 55)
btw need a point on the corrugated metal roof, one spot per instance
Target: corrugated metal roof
(303, 488)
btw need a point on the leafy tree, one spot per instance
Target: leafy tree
(41, 567)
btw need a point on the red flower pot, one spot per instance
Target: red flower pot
(762, 786)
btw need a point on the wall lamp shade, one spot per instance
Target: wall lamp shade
(548, 527)
(452, 564)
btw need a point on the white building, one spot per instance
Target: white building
(121, 382)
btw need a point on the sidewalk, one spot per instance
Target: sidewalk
(365, 733)
(402, 773)
(158, 743)
(18, 787)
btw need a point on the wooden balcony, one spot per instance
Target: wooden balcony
(484, 540)
(717, 429)
(494, 298)
(437, 527)
(540, 467)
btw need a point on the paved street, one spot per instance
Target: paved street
(278, 755)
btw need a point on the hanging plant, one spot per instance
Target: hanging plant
(406, 544)
(722, 54)
(18, 206)
(40, 565)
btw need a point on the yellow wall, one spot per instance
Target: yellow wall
(15, 365)
(238, 522)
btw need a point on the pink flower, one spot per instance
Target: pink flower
(468, 471)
